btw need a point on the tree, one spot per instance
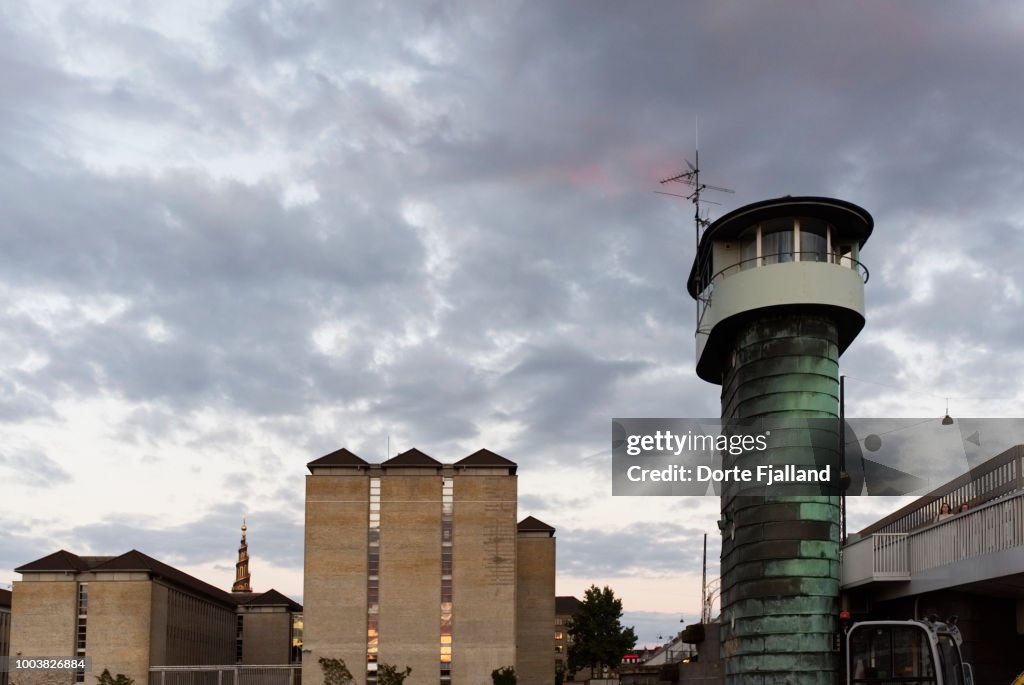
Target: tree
(106, 679)
(596, 633)
(335, 671)
(390, 675)
(506, 675)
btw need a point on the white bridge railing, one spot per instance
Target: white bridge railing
(226, 675)
(993, 527)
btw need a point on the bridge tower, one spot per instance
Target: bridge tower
(780, 295)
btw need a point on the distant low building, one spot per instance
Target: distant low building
(130, 613)
(566, 606)
(269, 630)
(126, 612)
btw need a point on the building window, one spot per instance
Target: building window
(373, 583)
(813, 240)
(777, 241)
(296, 641)
(447, 511)
(81, 628)
(239, 623)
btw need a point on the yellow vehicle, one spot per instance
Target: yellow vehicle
(906, 653)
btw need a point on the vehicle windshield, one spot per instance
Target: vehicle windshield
(952, 672)
(891, 654)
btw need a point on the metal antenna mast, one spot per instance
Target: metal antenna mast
(691, 178)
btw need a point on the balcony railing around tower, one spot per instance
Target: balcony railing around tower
(708, 281)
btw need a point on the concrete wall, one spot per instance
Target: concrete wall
(337, 517)
(484, 575)
(535, 609)
(266, 632)
(43, 618)
(410, 572)
(118, 625)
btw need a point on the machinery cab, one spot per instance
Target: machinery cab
(906, 652)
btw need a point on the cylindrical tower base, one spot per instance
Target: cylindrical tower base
(780, 555)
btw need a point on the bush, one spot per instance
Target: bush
(390, 675)
(335, 671)
(120, 679)
(506, 675)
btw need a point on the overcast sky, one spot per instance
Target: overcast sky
(235, 236)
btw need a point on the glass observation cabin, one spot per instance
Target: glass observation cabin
(789, 254)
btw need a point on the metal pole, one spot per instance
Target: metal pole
(704, 613)
(842, 459)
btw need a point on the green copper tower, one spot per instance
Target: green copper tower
(780, 295)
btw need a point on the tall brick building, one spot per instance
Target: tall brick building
(412, 562)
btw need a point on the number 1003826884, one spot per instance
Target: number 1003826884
(16, 664)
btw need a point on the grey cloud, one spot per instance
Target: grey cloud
(538, 132)
(32, 469)
(274, 535)
(651, 548)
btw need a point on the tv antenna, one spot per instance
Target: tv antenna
(691, 177)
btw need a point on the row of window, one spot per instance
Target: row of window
(373, 583)
(788, 239)
(447, 511)
(81, 627)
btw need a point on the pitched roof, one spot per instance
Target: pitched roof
(340, 457)
(530, 525)
(411, 457)
(487, 459)
(61, 560)
(5, 599)
(135, 560)
(273, 598)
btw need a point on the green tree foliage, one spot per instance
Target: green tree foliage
(506, 675)
(390, 675)
(598, 638)
(559, 673)
(335, 671)
(120, 679)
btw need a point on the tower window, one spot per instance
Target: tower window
(813, 240)
(777, 241)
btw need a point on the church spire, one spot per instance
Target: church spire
(242, 565)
